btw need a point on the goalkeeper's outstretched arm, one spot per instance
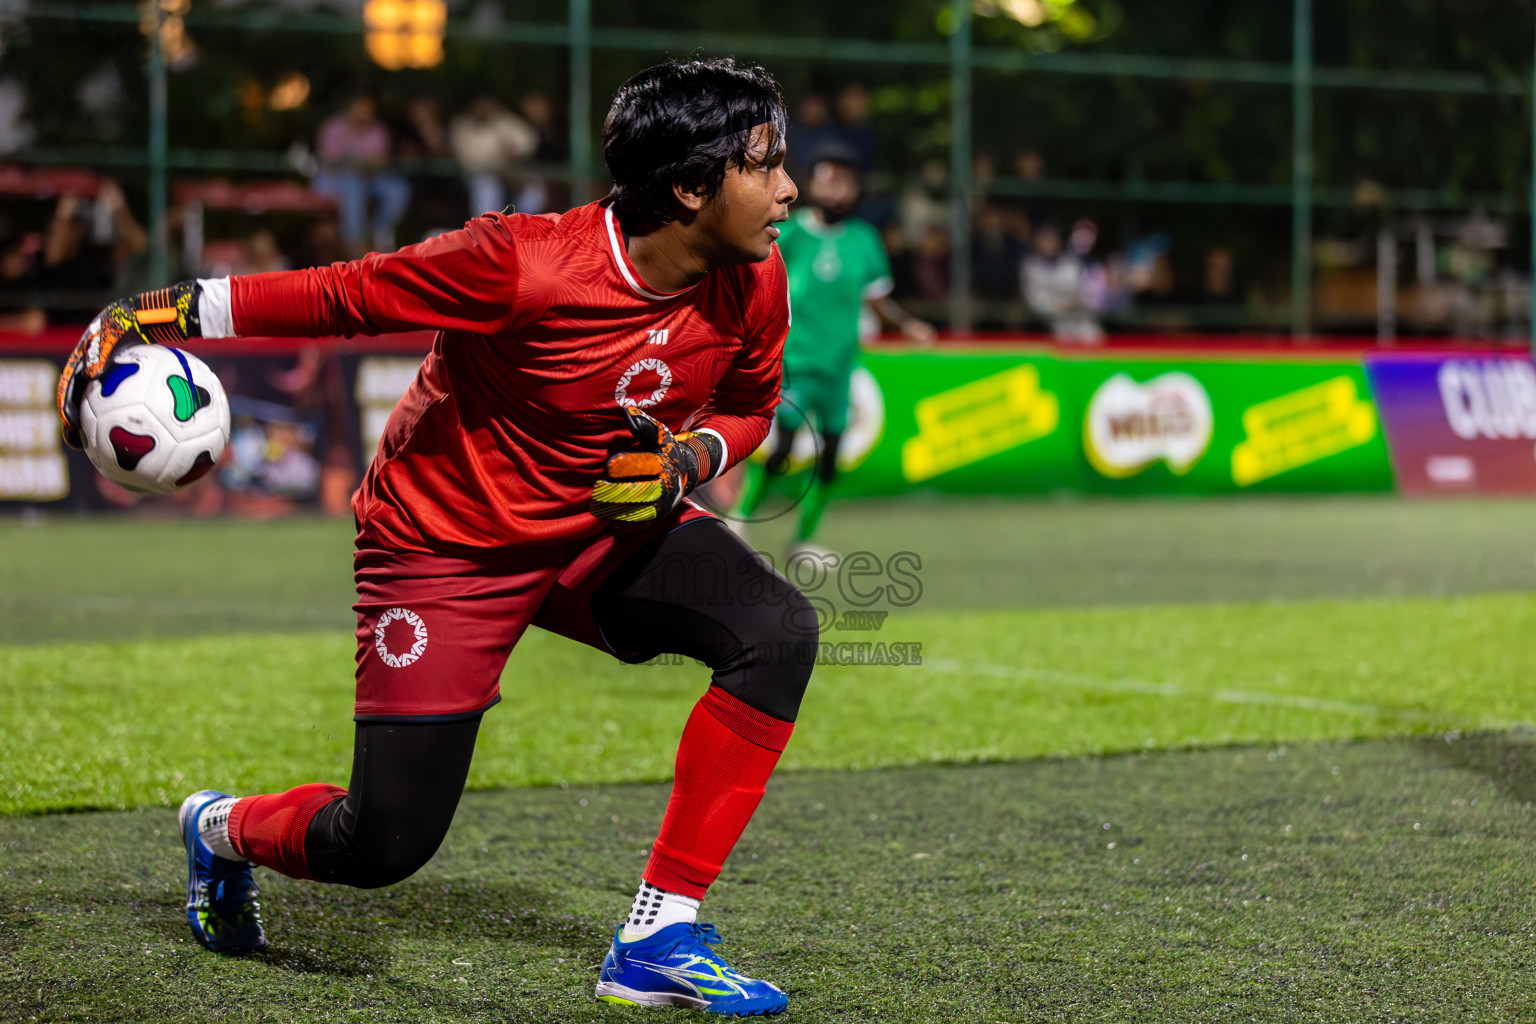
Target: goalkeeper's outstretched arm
(465, 280)
(461, 280)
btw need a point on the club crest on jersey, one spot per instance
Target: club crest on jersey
(644, 369)
(409, 638)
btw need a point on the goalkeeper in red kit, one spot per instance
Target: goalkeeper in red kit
(589, 370)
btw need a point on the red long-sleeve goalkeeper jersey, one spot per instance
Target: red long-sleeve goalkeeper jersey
(545, 330)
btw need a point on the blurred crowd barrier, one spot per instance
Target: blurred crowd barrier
(981, 416)
(1043, 173)
(70, 242)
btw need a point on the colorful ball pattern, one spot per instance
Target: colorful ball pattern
(156, 421)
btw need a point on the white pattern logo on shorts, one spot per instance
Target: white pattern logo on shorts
(417, 646)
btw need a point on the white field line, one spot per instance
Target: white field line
(1143, 686)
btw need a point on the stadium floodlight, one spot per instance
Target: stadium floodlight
(168, 17)
(404, 33)
(1034, 13)
(1029, 13)
(291, 91)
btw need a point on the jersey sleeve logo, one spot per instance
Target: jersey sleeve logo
(647, 370)
(402, 645)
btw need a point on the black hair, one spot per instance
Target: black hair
(837, 152)
(685, 123)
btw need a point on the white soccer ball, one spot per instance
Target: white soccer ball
(156, 421)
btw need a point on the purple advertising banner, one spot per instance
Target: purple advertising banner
(1462, 423)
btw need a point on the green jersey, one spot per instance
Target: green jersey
(832, 269)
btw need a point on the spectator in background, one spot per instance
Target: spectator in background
(488, 140)
(1219, 285)
(810, 131)
(540, 113)
(265, 256)
(16, 132)
(437, 204)
(89, 244)
(900, 252)
(925, 201)
(1029, 168)
(18, 275)
(1207, 302)
(322, 244)
(353, 151)
(535, 194)
(983, 174)
(1029, 165)
(1017, 224)
(854, 127)
(995, 256)
(1052, 279)
(1105, 289)
(422, 136)
(930, 263)
(1150, 270)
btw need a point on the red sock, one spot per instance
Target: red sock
(269, 830)
(727, 752)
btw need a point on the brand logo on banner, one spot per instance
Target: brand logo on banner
(1300, 428)
(1458, 424)
(1493, 399)
(985, 417)
(1130, 426)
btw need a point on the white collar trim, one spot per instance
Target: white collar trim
(622, 262)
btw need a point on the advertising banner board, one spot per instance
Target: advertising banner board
(1458, 424)
(989, 423)
(34, 465)
(983, 421)
(1229, 426)
(983, 424)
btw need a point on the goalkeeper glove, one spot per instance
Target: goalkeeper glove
(167, 316)
(642, 487)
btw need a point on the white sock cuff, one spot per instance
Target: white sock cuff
(655, 909)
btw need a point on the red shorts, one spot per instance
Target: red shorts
(434, 631)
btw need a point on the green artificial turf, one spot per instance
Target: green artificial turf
(123, 725)
(1379, 881)
(109, 578)
(1299, 681)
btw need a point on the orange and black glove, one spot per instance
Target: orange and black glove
(167, 316)
(642, 486)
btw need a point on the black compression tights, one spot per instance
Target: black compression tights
(698, 591)
(406, 781)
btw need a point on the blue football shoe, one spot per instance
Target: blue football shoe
(675, 967)
(221, 894)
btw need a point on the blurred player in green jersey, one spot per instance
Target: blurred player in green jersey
(836, 264)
